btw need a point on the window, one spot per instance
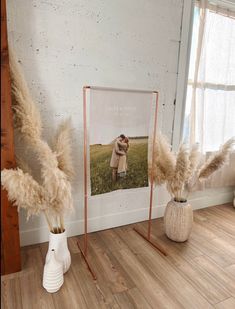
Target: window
(210, 101)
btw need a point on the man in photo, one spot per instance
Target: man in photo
(118, 161)
(122, 164)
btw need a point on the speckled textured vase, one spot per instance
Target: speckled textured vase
(178, 220)
(53, 277)
(58, 242)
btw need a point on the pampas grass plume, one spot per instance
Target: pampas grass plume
(181, 170)
(217, 160)
(63, 148)
(163, 160)
(54, 195)
(194, 157)
(23, 191)
(23, 165)
(26, 115)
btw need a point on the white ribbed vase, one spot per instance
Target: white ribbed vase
(178, 220)
(58, 242)
(53, 277)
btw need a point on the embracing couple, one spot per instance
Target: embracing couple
(119, 157)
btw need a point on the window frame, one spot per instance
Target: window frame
(218, 6)
(183, 69)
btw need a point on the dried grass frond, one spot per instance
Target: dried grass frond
(23, 191)
(63, 148)
(216, 160)
(26, 115)
(58, 190)
(55, 194)
(163, 161)
(23, 165)
(180, 174)
(45, 155)
(156, 171)
(55, 182)
(194, 157)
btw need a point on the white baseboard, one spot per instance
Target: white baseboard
(40, 235)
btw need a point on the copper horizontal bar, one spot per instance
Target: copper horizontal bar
(120, 89)
(159, 248)
(87, 263)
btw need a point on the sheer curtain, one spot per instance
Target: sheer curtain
(210, 106)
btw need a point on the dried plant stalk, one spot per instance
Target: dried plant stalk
(194, 157)
(163, 161)
(62, 223)
(180, 173)
(26, 115)
(48, 220)
(55, 181)
(23, 165)
(63, 148)
(176, 184)
(54, 196)
(23, 191)
(217, 160)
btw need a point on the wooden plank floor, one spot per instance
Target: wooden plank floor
(196, 274)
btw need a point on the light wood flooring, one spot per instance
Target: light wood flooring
(199, 273)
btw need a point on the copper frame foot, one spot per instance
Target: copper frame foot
(86, 261)
(155, 246)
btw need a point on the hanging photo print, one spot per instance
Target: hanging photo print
(120, 123)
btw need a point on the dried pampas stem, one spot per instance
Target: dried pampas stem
(48, 221)
(24, 191)
(163, 161)
(181, 169)
(194, 156)
(23, 165)
(63, 148)
(26, 115)
(217, 160)
(62, 223)
(54, 196)
(180, 172)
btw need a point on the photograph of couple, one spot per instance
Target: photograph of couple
(118, 138)
(118, 161)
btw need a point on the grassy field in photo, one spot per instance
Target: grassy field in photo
(101, 172)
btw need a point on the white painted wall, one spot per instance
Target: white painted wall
(64, 45)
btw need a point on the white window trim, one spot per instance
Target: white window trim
(223, 7)
(183, 69)
(183, 64)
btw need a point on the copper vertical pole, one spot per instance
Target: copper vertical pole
(84, 252)
(148, 237)
(85, 168)
(151, 179)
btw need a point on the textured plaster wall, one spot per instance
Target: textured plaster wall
(63, 45)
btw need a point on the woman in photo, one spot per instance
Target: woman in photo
(122, 164)
(120, 149)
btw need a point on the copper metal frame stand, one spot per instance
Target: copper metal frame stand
(148, 237)
(84, 251)
(84, 255)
